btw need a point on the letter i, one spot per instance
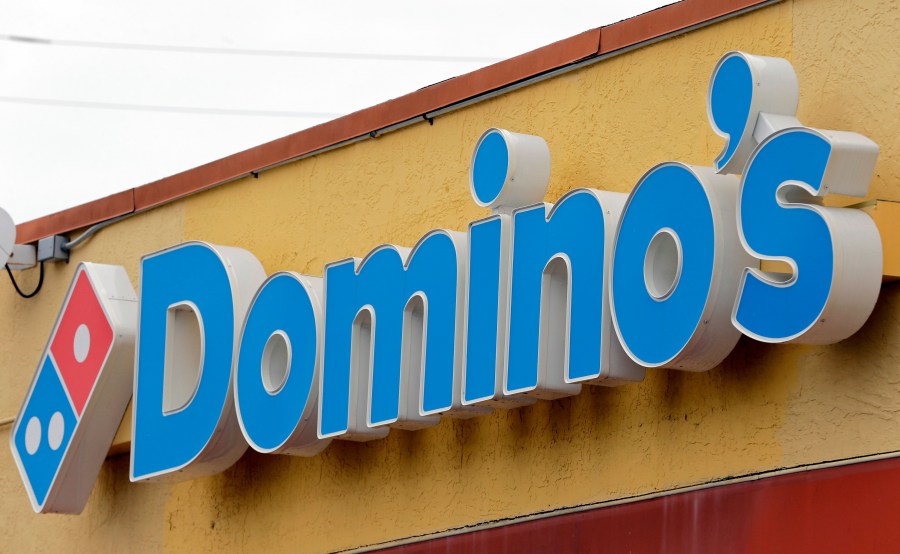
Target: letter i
(508, 171)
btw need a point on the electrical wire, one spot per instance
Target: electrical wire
(24, 39)
(16, 285)
(74, 243)
(245, 51)
(167, 109)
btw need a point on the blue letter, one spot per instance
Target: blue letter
(834, 253)
(487, 316)
(393, 309)
(184, 418)
(277, 378)
(677, 262)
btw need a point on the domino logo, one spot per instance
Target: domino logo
(80, 391)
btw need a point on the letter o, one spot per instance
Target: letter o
(676, 268)
(276, 381)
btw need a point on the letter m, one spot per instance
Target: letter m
(392, 338)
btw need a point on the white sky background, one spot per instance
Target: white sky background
(54, 157)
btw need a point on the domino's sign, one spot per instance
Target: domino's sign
(533, 302)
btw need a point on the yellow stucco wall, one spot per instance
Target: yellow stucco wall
(766, 407)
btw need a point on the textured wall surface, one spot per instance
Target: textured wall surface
(766, 407)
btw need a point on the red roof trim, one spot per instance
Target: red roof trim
(59, 223)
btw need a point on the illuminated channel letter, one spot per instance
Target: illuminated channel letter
(560, 332)
(676, 268)
(486, 305)
(749, 98)
(834, 253)
(277, 375)
(194, 297)
(80, 391)
(391, 338)
(508, 171)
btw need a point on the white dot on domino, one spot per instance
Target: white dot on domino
(33, 435)
(82, 343)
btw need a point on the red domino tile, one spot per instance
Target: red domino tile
(82, 309)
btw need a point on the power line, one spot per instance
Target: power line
(168, 109)
(244, 51)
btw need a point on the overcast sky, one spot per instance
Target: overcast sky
(89, 114)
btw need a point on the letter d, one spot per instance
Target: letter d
(194, 297)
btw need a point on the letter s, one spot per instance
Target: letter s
(834, 253)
